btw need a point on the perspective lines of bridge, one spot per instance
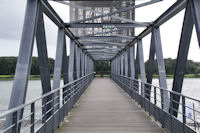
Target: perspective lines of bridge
(101, 32)
(106, 108)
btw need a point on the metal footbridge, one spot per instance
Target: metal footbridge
(122, 103)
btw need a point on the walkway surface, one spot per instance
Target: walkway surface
(105, 108)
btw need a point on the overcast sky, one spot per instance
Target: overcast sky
(12, 15)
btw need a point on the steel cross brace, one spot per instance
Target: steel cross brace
(118, 11)
(97, 12)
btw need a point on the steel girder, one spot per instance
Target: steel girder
(168, 14)
(51, 13)
(100, 13)
(103, 25)
(113, 37)
(18, 94)
(191, 18)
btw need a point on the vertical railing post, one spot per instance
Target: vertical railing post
(32, 117)
(149, 101)
(171, 111)
(155, 104)
(45, 108)
(183, 112)
(14, 122)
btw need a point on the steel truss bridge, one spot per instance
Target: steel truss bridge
(101, 31)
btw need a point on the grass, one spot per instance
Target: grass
(37, 77)
(100, 75)
(11, 77)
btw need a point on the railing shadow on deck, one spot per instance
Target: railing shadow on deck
(151, 102)
(45, 113)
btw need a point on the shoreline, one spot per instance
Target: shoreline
(37, 77)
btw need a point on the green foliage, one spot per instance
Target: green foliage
(170, 64)
(102, 66)
(8, 65)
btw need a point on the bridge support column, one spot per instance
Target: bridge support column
(82, 63)
(43, 63)
(126, 63)
(141, 65)
(191, 17)
(161, 68)
(71, 62)
(78, 62)
(122, 64)
(60, 64)
(150, 68)
(86, 60)
(19, 89)
(132, 61)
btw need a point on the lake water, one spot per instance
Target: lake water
(191, 87)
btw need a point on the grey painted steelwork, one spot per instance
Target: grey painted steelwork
(103, 25)
(122, 65)
(182, 55)
(51, 13)
(150, 65)
(168, 14)
(161, 68)
(78, 56)
(113, 44)
(195, 4)
(18, 94)
(141, 65)
(71, 62)
(58, 65)
(118, 11)
(118, 45)
(104, 42)
(48, 126)
(43, 61)
(126, 63)
(83, 63)
(113, 37)
(132, 61)
(152, 106)
(100, 13)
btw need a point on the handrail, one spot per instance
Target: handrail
(52, 108)
(152, 102)
(158, 87)
(38, 98)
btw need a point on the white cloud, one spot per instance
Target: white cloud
(12, 22)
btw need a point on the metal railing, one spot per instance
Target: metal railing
(45, 113)
(151, 101)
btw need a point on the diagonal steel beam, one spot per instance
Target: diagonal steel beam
(195, 5)
(43, 64)
(182, 57)
(169, 13)
(51, 13)
(23, 66)
(141, 65)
